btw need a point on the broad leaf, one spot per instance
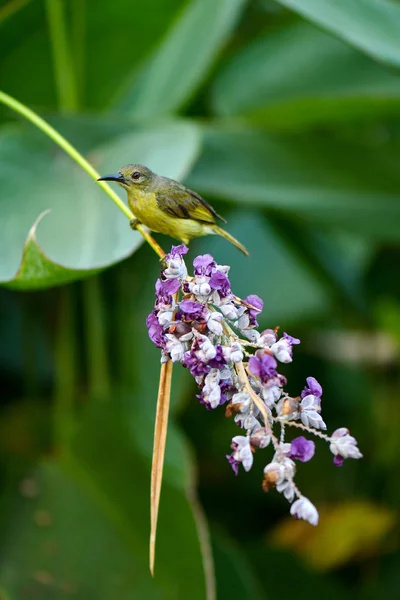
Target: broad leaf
(316, 177)
(108, 40)
(86, 531)
(298, 76)
(373, 26)
(183, 59)
(84, 230)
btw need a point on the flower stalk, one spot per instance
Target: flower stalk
(198, 322)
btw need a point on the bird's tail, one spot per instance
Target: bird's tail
(230, 239)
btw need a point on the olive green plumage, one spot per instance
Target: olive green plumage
(166, 206)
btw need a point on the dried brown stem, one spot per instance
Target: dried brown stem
(160, 436)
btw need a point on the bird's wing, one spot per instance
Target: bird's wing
(182, 203)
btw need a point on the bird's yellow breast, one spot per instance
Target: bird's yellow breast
(145, 208)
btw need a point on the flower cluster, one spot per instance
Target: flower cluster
(199, 322)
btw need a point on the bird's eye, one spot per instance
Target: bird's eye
(135, 175)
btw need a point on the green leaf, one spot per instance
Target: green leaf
(86, 532)
(325, 180)
(183, 59)
(373, 26)
(109, 42)
(337, 83)
(37, 270)
(84, 231)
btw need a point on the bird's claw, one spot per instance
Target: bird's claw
(134, 223)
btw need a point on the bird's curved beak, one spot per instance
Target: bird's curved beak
(113, 177)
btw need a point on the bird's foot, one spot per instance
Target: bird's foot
(134, 223)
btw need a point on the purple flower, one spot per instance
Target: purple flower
(203, 264)
(253, 312)
(165, 290)
(241, 453)
(177, 252)
(294, 341)
(218, 361)
(233, 462)
(263, 366)
(338, 461)
(193, 310)
(302, 449)
(156, 333)
(313, 388)
(176, 267)
(195, 365)
(220, 282)
(343, 445)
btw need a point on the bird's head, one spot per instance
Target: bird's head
(131, 177)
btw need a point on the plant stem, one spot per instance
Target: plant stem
(31, 116)
(96, 344)
(160, 437)
(63, 66)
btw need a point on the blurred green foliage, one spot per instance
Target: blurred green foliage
(286, 115)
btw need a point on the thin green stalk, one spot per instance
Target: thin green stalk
(66, 371)
(31, 116)
(63, 66)
(11, 8)
(96, 343)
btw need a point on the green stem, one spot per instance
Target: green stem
(63, 67)
(11, 8)
(96, 342)
(78, 158)
(65, 145)
(66, 372)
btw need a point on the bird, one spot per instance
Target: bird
(167, 206)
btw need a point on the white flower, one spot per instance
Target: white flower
(165, 317)
(304, 509)
(242, 451)
(260, 438)
(207, 350)
(243, 322)
(267, 338)
(200, 288)
(223, 269)
(251, 334)
(229, 311)
(309, 412)
(176, 269)
(214, 322)
(282, 350)
(211, 392)
(233, 353)
(175, 348)
(271, 394)
(344, 444)
(287, 489)
(280, 473)
(242, 398)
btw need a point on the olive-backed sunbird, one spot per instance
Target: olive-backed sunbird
(166, 206)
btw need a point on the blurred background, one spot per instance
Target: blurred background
(286, 116)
